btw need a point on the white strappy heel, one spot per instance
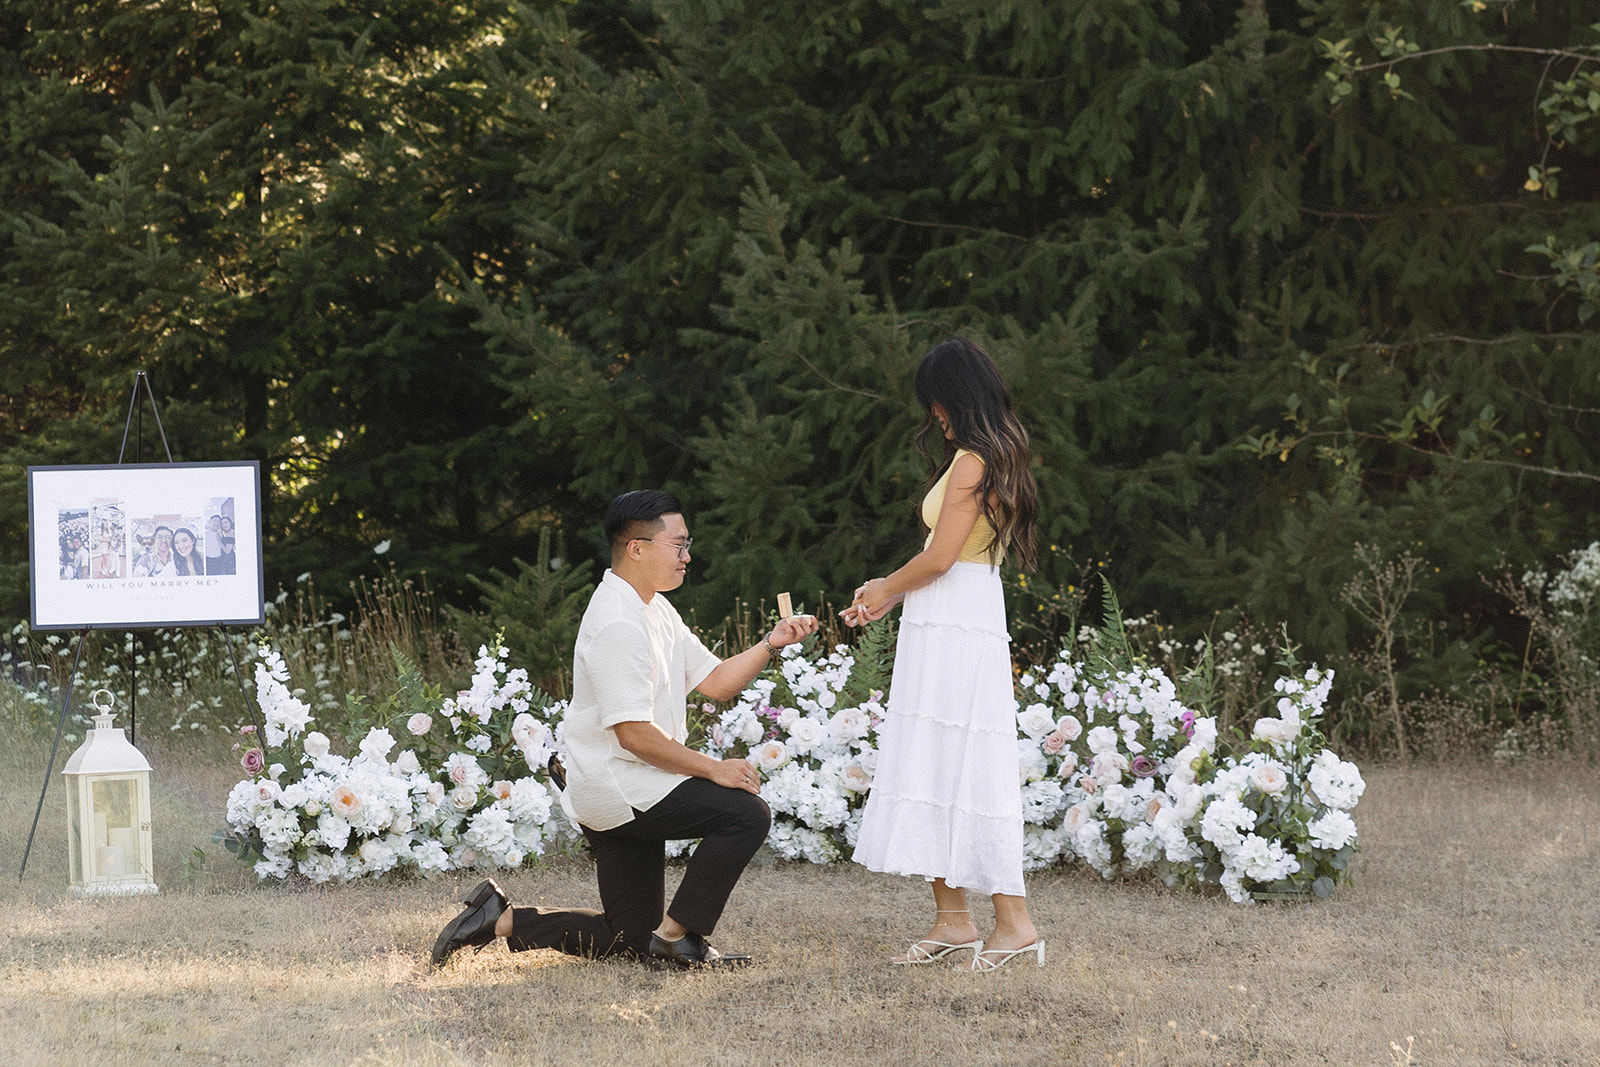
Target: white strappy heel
(928, 950)
(992, 959)
(931, 950)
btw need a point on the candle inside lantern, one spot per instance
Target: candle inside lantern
(113, 861)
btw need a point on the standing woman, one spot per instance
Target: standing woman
(946, 801)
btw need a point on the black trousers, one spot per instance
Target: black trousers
(630, 861)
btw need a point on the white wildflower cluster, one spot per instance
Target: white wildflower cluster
(458, 794)
(285, 713)
(1576, 590)
(814, 744)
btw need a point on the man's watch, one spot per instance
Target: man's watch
(766, 639)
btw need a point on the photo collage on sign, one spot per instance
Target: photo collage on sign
(98, 541)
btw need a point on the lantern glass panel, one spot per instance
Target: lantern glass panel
(115, 851)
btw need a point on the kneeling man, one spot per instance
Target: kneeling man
(632, 784)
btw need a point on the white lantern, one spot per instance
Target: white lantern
(108, 810)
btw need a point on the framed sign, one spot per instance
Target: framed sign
(137, 545)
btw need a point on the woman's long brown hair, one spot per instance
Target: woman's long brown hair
(960, 377)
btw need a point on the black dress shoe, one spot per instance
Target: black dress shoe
(558, 773)
(475, 925)
(691, 950)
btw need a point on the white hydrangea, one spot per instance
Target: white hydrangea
(1335, 782)
(1332, 830)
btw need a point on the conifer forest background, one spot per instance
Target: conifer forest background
(1296, 298)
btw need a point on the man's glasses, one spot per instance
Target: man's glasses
(683, 549)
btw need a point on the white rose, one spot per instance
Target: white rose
(1269, 778)
(1273, 731)
(806, 734)
(1036, 721)
(420, 723)
(316, 744)
(1069, 727)
(377, 745)
(855, 778)
(1102, 739)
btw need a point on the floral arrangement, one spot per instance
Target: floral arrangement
(466, 788)
(1276, 822)
(1117, 770)
(811, 728)
(1110, 759)
(1120, 773)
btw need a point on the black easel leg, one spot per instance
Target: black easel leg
(133, 687)
(255, 715)
(61, 724)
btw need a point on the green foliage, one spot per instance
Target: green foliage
(535, 615)
(1110, 651)
(460, 273)
(874, 661)
(253, 204)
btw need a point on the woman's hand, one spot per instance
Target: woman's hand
(872, 602)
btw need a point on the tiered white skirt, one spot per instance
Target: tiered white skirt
(946, 799)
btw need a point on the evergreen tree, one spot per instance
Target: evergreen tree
(253, 202)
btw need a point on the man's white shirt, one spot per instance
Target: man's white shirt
(633, 662)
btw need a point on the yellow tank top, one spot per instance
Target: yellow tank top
(976, 550)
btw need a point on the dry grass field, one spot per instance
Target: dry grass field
(1471, 936)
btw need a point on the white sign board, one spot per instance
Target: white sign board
(139, 545)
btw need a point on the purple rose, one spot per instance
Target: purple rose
(253, 761)
(1143, 767)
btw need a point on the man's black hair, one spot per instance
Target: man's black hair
(642, 507)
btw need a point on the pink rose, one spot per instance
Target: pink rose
(253, 761)
(1143, 767)
(346, 802)
(1053, 743)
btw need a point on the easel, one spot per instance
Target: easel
(135, 423)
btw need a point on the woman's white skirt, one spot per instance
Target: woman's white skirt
(946, 799)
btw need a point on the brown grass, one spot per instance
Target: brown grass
(1470, 937)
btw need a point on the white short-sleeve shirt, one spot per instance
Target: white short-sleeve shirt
(633, 662)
